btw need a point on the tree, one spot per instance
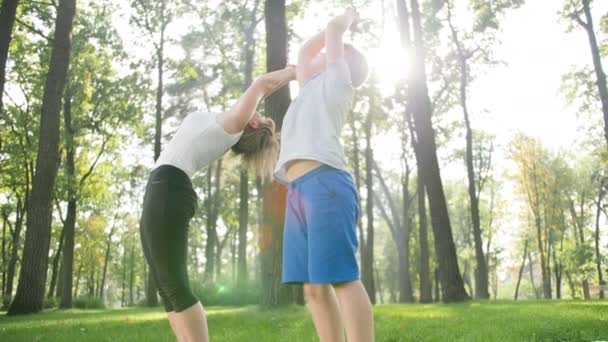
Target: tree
(8, 13)
(32, 277)
(530, 156)
(419, 105)
(153, 18)
(574, 9)
(249, 54)
(274, 195)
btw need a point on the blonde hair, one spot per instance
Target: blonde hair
(259, 148)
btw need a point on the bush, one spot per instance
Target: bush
(87, 302)
(51, 303)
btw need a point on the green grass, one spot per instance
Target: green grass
(476, 321)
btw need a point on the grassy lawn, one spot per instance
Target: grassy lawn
(491, 321)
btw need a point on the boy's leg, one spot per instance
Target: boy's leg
(323, 306)
(356, 311)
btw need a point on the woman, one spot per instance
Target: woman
(170, 201)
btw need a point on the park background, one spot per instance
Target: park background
(479, 146)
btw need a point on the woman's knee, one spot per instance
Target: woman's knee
(317, 292)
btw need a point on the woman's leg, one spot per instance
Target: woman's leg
(325, 312)
(191, 324)
(356, 309)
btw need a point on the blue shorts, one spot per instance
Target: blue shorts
(320, 239)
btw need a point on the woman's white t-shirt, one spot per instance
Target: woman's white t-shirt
(198, 141)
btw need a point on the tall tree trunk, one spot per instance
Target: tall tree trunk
(78, 274)
(274, 195)
(68, 230)
(3, 265)
(406, 293)
(151, 291)
(597, 62)
(521, 270)
(357, 174)
(32, 276)
(249, 52)
(557, 271)
(123, 284)
(55, 269)
(598, 256)
(131, 275)
(543, 262)
(426, 287)
(571, 285)
(580, 238)
(367, 260)
(210, 241)
(481, 272)
(242, 234)
(418, 104)
(8, 13)
(531, 269)
(216, 211)
(15, 242)
(67, 262)
(106, 260)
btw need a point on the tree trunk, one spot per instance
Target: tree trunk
(132, 275)
(426, 287)
(357, 174)
(67, 263)
(274, 195)
(123, 284)
(78, 274)
(543, 262)
(571, 285)
(3, 265)
(70, 220)
(32, 277)
(210, 241)
(8, 13)
(106, 260)
(597, 63)
(437, 286)
(243, 224)
(367, 260)
(598, 256)
(418, 104)
(481, 272)
(216, 211)
(557, 270)
(531, 269)
(12, 263)
(55, 269)
(151, 295)
(521, 270)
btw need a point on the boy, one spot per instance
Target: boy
(322, 205)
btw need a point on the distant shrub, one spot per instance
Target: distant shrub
(87, 302)
(51, 303)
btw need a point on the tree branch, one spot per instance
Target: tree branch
(34, 30)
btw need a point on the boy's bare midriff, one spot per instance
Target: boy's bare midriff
(300, 167)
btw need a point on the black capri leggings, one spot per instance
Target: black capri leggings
(169, 204)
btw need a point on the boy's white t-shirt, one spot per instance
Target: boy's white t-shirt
(313, 123)
(198, 141)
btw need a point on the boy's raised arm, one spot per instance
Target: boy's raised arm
(334, 32)
(311, 48)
